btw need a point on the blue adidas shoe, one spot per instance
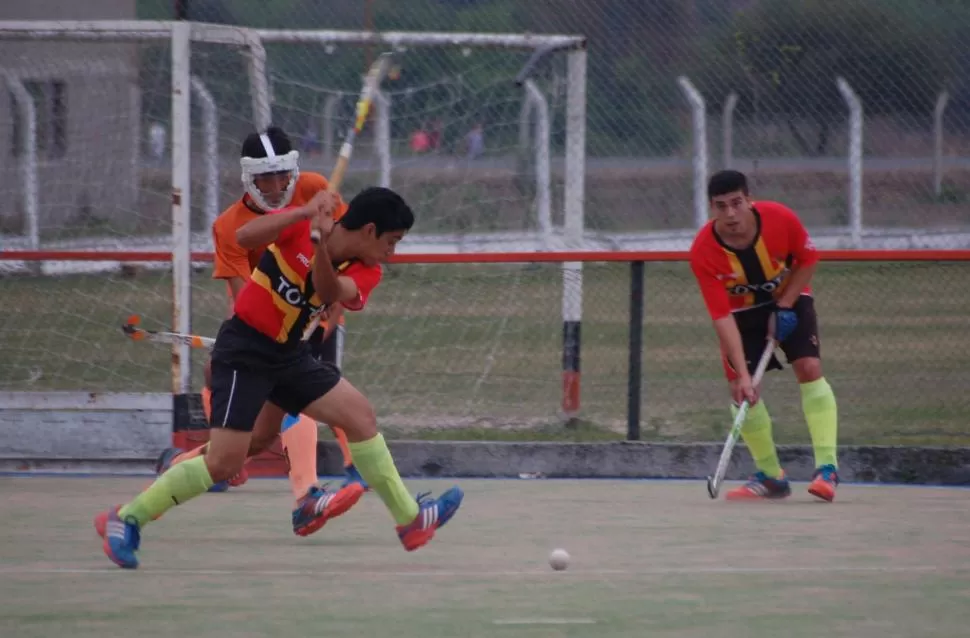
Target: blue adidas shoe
(353, 476)
(432, 515)
(122, 538)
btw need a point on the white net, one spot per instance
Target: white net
(87, 124)
(458, 140)
(71, 125)
(452, 131)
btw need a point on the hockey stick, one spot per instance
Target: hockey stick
(133, 332)
(372, 81)
(714, 482)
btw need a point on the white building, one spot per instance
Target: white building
(87, 103)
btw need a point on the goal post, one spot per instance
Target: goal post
(291, 77)
(179, 36)
(573, 195)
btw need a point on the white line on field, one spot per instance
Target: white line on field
(479, 575)
(544, 621)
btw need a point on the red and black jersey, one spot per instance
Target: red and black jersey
(733, 280)
(279, 299)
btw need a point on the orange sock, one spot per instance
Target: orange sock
(207, 403)
(341, 437)
(300, 443)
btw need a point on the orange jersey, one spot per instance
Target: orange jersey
(231, 259)
(733, 280)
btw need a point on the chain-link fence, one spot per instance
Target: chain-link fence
(476, 350)
(788, 121)
(767, 73)
(460, 140)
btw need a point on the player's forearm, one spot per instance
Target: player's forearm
(326, 282)
(333, 320)
(266, 228)
(800, 277)
(730, 338)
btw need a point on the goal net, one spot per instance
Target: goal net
(135, 149)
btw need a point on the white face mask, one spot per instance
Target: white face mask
(252, 167)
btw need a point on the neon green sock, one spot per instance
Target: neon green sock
(756, 433)
(822, 417)
(182, 482)
(374, 462)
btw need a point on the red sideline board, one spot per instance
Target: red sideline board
(190, 430)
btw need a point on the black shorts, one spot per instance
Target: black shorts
(753, 325)
(249, 369)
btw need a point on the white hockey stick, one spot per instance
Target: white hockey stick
(372, 82)
(135, 333)
(714, 482)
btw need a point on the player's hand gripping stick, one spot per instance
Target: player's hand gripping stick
(785, 321)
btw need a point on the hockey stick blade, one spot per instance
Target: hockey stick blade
(133, 332)
(714, 482)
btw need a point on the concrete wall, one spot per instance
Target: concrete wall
(85, 432)
(868, 464)
(77, 430)
(95, 177)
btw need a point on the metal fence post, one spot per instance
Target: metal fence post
(634, 367)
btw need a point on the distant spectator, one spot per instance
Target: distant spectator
(434, 135)
(420, 141)
(310, 141)
(475, 141)
(156, 140)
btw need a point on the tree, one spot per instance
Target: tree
(790, 52)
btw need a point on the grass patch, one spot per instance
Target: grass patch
(475, 352)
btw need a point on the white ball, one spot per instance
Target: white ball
(559, 559)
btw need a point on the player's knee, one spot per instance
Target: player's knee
(807, 369)
(358, 419)
(223, 467)
(362, 422)
(346, 406)
(267, 426)
(226, 454)
(260, 443)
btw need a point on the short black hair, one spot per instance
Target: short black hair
(252, 146)
(379, 206)
(724, 182)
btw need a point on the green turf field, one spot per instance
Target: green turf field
(648, 559)
(479, 348)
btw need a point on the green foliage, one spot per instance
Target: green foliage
(786, 54)
(780, 56)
